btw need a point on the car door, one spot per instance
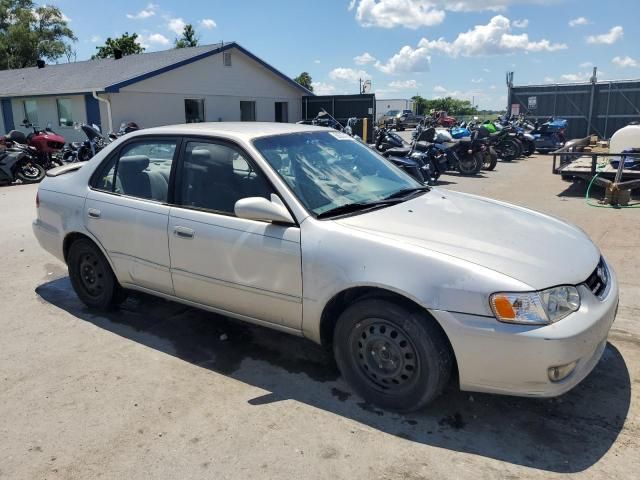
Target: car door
(127, 211)
(245, 267)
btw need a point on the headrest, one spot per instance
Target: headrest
(200, 155)
(133, 163)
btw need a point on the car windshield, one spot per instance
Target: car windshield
(330, 170)
(393, 112)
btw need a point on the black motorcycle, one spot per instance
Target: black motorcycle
(17, 163)
(83, 151)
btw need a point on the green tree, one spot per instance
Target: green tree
(452, 106)
(127, 44)
(304, 79)
(29, 32)
(189, 38)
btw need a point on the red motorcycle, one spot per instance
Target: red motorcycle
(45, 146)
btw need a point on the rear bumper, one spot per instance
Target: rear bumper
(49, 238)
(508, 359)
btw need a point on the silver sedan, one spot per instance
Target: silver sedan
(305, 230)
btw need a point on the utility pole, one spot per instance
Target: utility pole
(360, 89)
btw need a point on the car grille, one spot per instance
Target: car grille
(599, 280)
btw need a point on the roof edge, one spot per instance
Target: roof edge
(114, 88)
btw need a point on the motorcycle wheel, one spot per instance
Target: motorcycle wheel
(470, 164)
(490, 159)
(529, 148)
(30, 172)
(508, 150)
(520, 148)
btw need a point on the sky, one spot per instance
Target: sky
(434, 48)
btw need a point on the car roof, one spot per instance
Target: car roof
(237, 130)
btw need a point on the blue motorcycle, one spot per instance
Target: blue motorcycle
(549, 136)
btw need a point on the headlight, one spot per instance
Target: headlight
(535, 308)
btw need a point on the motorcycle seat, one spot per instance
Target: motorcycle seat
(398, 151)
(17, 137)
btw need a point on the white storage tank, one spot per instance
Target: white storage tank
(625, 138)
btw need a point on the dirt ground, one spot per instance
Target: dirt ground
(157, 390)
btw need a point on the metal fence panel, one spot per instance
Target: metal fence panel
(343, 107)
(614, 105)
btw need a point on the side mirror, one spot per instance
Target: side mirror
(261, 209)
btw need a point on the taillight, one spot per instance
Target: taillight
(38, 200)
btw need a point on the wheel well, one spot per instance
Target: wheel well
(338, 304)
(68, 241)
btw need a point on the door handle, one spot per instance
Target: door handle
(184, 232)
(94, 213)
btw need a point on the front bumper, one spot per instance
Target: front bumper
(496, 357)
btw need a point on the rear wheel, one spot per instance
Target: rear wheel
(490, 159)
(30, 172)
(393, 356)
(470, 164)
(530, 148)
(508, 150)
(91, 276)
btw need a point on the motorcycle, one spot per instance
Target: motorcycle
(83, 151)
(17, 162)
(419, 159)
(550, 136)
(47, 145)
(384, 139)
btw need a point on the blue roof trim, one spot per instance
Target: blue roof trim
(7, 114)
(83, 92)
(117, 86)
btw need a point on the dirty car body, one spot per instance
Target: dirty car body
(307, 230)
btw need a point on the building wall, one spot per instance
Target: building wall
(48, 114)
(159, 100)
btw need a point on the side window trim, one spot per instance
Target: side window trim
(115, 156)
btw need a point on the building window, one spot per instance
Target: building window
(282, 112)
(226, 59)
(248, 111)
(31, 112)
(194, 110)
(65, 117)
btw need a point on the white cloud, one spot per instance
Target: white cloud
(394, 13)
(348, 75)
(153, 39)
(208, 23)
(423, 13)
(404, 84)
(548, 80)
(477, 80)
(609, 38)
(524, 23)
(95, 38)
(65, 18)
(407, 60)
(176, 25)
(321, 88)
(579, 21)
(493, 87)
(148, 11)
(364, 59)
(625, 62)
(576, 77)
(486, 70)
(439, 89)
(316, 61)
(586, 65)
(495, 38)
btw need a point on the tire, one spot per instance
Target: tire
(92, 278)
(508, 150)
(518, 144)
(30, 172)
(490, 159)
(470, 164)
(530, 148)
(392, 356)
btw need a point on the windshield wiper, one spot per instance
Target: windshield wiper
(407, 192)
(358, 207)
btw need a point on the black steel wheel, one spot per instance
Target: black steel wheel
(30, 172)
(470, 164)
(490, 159)
(91, 276)
(393, 356)
(508, 150)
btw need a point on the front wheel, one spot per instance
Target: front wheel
(490, 159)
(30, 172)
(508, 150)
(394, 357)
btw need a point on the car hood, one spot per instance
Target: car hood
(528, 246)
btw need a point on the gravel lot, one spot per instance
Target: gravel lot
(156, 390)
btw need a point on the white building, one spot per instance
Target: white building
(222, 82)
(384, 105)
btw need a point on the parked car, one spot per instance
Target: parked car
(406, 283)
(389, 117)
(407, 119)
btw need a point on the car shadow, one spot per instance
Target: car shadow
(568, 434)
